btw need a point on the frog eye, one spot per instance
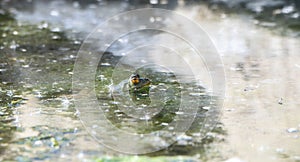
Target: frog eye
(135, 80)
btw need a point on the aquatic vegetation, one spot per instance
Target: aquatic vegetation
(37, 61)
(172, 90)
(9, 99)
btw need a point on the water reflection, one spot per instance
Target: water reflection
(261, 67)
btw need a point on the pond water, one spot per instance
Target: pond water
(259, 120)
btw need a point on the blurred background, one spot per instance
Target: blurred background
(258, 42)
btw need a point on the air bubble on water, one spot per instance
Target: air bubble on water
(164, 124)
(39, 94)
(292, 130)
(38, 143)
(23, 50)
(280, 150)
(77, 42)
(117, 111)
(142, 27)
(54, 84)
(268, 24)
(54, 13)
(99, 30)
(153, 1)
(280, 101)
(9, 93)
(183, 139)
(196, 134)
(152, 19)
(65, 102)
(77, 113)
(119, 115)
(56, 29)
(146, 117)
(179, 113)
(75, 130)
(277, 11)
(123, 40)
(164, 2)
(158, 18)
(15, 32)
(234, 159)
(81, 154)
(206, 107)
(223, 16)
(72, 56)
(13, 45)
(105, 64)
(92, 6)
(63, 48)
(43, 26)
(287, 9)
(196, 94)
(263, 148)
(56, 37)
(76, 4)
(171, 128)
(295, 15)
(25, 66)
